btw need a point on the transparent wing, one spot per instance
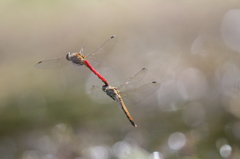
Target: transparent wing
(82, 49)
(136, 95)
(133, 81)
(97, 55)
(52, 63)
(97, 92)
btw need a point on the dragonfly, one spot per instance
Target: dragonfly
(130, 92)
(79, 59)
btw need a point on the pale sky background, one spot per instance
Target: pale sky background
(190, 47)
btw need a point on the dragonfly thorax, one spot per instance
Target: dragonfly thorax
(110, 91)
(76, 58)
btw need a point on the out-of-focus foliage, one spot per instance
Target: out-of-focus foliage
(190, 47)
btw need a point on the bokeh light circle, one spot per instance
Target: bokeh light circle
(230, 29)
(176, 141)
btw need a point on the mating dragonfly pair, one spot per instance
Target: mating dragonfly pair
(115, 93)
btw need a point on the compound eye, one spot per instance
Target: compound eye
(104, 88)
(68, 56)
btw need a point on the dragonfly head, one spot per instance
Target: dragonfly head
(105, 88)
(68, 56)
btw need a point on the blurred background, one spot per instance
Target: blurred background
(190, 47)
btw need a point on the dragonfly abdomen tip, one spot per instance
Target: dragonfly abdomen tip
(133, 123)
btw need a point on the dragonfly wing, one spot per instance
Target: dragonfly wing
(97, 55)
(136, 95)
(97, 92)
(133, 81)
(52, 63)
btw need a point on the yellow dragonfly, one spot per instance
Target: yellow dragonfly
(131, 93)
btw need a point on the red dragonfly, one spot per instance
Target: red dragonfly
(79, 59)
(131, 92)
